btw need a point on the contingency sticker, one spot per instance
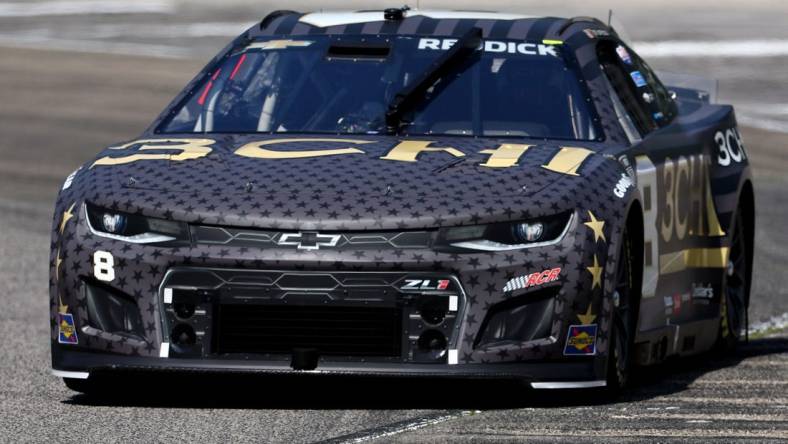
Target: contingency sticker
(67, 332)
(623, 54)
(581, 340)
(638, 78)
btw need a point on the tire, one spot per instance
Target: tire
(735, 300)
(623, 322)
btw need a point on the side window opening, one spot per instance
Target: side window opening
(623, 116)
(619, 74)
(664, 108)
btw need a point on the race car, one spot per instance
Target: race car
(410, 193)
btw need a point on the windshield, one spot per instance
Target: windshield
(344, 85)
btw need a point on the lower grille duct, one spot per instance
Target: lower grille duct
(331, 330)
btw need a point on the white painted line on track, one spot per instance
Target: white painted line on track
(756, 402)
(720, 48)
(629, 435)
(706, 415)
(48, 8)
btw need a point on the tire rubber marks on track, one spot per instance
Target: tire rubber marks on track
(400, 427)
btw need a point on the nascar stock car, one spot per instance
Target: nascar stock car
(410, 193)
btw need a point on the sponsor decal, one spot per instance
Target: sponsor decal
(730, 146)
(623, 54)
(567, 160)
(627, 164)
(668, 301)
(158, 149)
(658, 116)
(596, 33)
(533, 280)
(624, 183)
(426, 284)
(638, 78)
(677, 303)
(493, 46)
(581, 340)
(702, 293)
(67, 332)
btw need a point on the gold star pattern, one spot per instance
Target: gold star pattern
(596, 272)
(67, 215)
(58, 261)
(596, 226)
(587, 318)
(62, 309)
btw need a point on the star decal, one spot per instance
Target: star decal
(596, 272)
(67, 215)
(596, 226)
(62, 309)
(58, 261)
(587, 318)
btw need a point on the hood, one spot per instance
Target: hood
(355, 183)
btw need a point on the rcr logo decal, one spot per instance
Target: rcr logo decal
(493, 46)
(730, 146)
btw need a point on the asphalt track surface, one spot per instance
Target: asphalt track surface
(57, 108)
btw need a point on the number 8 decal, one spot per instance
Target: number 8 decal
(104, 266)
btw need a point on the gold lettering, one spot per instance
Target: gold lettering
(409, 150)
(682, 181)
(715, 229)
(189, 149)
(568, 160)
(255, 149)
(668, 181)
(696, 193)
(505, 156)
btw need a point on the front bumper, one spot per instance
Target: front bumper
(481, 283)
(542, 375)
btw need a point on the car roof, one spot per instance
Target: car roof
(438, 23)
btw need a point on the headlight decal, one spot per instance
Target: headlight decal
(133, 228)
(509, 236)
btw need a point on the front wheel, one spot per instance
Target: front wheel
(622, 324)
(735, 300)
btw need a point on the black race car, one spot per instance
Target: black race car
(411, 193)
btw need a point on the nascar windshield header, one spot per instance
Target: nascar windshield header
(310, 85)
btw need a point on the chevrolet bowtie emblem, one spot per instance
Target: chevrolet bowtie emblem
(309, 240)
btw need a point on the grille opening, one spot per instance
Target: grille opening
(520, 319)
(337, 331)
(112, 312)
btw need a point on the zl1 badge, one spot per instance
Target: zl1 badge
(67, 331)
(581, 340)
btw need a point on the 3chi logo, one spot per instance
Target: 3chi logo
(309, 240)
